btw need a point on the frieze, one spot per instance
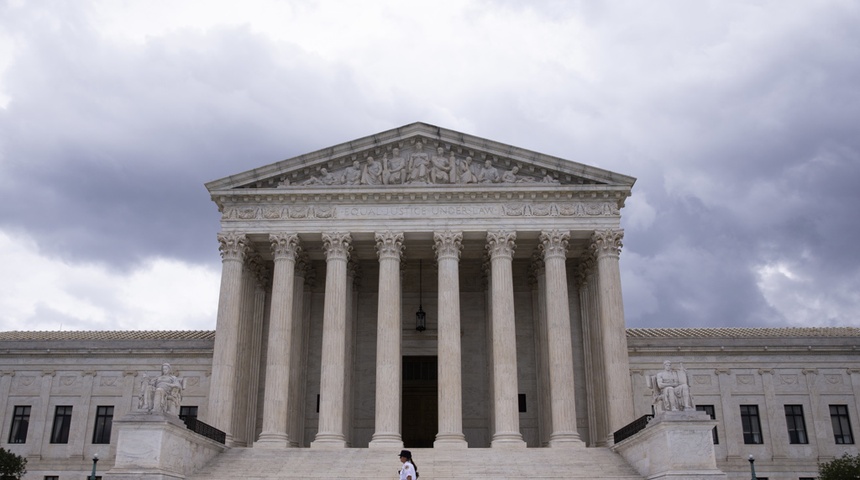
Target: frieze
(313, 212)
(702, 379)
(745, 379)
(67, 380)
(788, 379)
(833, 379)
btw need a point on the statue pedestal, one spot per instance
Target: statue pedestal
(158, 447)
(674, 445)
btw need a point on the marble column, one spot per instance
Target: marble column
(333, 363)
(248, 360)
(537, 281)
(592, 345)
(389, 248)
(553, 245)
(619, 394)
(222, 388)
(448, 245)
(500, 245)
(285, 247)
(353, 283)
(297, 356)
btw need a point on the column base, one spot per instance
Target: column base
(272, 440)
(450, 440)
(509, 439)
(329, 440)
(565, 439)
(386, 440)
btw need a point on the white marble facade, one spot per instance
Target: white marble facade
(518, 255)
(522, 256)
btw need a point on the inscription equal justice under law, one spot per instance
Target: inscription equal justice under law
(422, 211)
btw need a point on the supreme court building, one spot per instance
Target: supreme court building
(428, 289)
(511, 257)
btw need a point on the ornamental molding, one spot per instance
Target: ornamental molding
(233, 246)
(259, 212)
(501, 244)
(607, 242)
(553, 244)
(337, 245)
(389, 245)
(285, 245)
(448, 244)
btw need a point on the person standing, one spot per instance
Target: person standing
(408, 471)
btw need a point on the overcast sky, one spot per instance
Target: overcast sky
(740, 120)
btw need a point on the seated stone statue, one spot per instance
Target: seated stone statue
(162, 394)
(671, 390)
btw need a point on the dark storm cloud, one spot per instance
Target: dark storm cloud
(111, 144)
(739, 120)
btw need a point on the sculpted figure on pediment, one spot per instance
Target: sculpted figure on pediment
(489, 173)
(394, 168)
(419, 165)
(325, 178)
(464, 171)
(372, 174)
(441, 167)
(352, 174)
(511, 176)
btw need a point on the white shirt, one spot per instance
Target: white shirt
(407, 470)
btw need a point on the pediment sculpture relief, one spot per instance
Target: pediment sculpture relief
(419, 166)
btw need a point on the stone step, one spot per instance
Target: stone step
(433, 464)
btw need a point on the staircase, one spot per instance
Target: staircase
(433, 464)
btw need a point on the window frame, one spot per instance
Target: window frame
(842, 420)
(795, 423)
(103, 425)
(751, 425)
(712, 412)
(62, 424)
(20, 416)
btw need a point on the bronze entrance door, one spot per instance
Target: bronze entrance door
(420, 402)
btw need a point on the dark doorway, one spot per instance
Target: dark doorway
(420, 401)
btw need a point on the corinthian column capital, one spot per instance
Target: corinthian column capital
(337, 245)
(607, 242)
(447, 244)
(553, 244)
(233, 246)
(389, 244)
(285, 245)
(257, 268)
(501, 244)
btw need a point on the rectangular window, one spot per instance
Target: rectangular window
(104, 421)
(62, 423)
(751, 424)
(521, 400)
(709, 409)
(796, 425)
(53, 477)
(841, 424)
(187, 413)
(20, 424)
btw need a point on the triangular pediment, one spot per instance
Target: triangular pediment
(415, 156)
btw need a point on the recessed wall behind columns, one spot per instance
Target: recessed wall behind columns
(476, 376)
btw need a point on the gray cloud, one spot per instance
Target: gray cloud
(738, 120)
